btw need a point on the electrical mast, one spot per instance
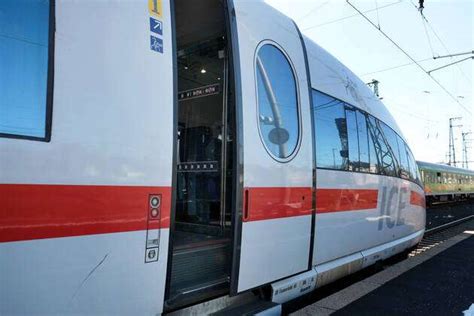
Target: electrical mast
(452, 150)
(465, 159)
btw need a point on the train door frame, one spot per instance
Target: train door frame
(229, 101)
(239, 179)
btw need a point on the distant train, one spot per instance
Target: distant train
(446, 183)
(155, 155)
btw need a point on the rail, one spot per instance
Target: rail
(447, 225)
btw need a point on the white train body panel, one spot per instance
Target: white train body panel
(105, 71)
(275, 250)
(330, 76)
(108, 86)
(98, 274)
(255, 26)
(369, 225)
(75, 223)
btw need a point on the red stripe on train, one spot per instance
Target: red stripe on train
(269, 203)
(49, 211)
(339, 200)
(417, 199)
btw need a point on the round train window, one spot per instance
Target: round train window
(277, 102)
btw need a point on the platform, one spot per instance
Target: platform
(439, 281)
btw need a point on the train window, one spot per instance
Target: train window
(391, 138)
(24, 51)
(432, 178)
(364, 155)
(353, 139)
(331, 132)
(374, 159)
(387, 165)
(277, 101)
(403, 159)
(414, 172)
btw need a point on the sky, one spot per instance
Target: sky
(421, 107)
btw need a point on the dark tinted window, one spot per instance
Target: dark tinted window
(350, 139)
(391, 138)
(364, 156)
(403, 159)
(331, 132)
(375, 159)
(24, 31)
(387, 164)
(351, 122)
(414, 171)
(277, 101)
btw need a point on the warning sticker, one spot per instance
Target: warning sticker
(156, 44)
(155, 7)
(156, 26)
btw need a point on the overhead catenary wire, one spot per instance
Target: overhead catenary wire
(395, 67)
(313, 10)
(351, 16)
(427, 35)
(453, 55)
(450, 64)
(412, 59)
(440, 40)
(378, 17)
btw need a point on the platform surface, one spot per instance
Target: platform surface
(439, 281)
(442, 285)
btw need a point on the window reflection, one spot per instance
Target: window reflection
(353, 139)
(364, 152)
(331, 132)
(403, 159)
(387, 165)
(277, 101)
(350, 139)
(24, 40)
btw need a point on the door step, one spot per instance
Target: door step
(199, 273)
(197, 266)
(262, 308)
(190, 296)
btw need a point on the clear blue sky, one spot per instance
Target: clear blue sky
(420, 107)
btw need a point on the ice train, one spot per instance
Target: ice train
(157, 154)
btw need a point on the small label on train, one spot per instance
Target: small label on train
(155, 7)
(198, 166)
(156, 26)
(199, 92)
(156, 44)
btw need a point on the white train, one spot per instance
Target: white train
(155, 154)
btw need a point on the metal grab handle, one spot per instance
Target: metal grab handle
(245, 216)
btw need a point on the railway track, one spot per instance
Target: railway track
(437, 235)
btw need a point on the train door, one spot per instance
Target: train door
(273, 229)
(201, 223)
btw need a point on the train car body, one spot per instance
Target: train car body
(446, 183)
(155, 154)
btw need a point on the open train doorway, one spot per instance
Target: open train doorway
(201, 231)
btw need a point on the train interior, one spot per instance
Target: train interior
(201, 236)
